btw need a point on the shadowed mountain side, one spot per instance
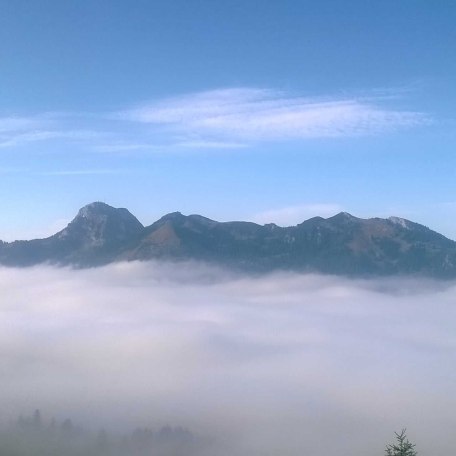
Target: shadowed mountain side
(342, 244)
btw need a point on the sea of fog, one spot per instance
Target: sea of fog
(282, 364)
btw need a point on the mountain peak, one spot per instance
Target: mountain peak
(343, 217)
(97, 224)
(172, 217)
(98, 208)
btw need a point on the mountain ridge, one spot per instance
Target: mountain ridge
(342, 244)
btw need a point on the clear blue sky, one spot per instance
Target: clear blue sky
(258, 110)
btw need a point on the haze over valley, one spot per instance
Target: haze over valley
(278, 364)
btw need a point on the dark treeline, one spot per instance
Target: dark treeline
(34, 436)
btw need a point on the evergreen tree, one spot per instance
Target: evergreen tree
(37, 420)
(402, 447)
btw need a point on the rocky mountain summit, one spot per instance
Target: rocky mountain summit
(342, 244)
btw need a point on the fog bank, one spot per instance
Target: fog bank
(283, 364)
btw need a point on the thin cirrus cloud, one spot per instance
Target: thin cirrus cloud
(15, 124)
(248, 114)
(18, 131)
(218, 119)
(82, 172)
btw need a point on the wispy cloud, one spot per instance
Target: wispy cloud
(12, 170)
(122, 147)
(17, 131)
(249, 114)
(217, 119)
(82, 172)
(15, 124)
(204, 144)
(292, 215)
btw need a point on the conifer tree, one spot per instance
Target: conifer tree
(402, 447)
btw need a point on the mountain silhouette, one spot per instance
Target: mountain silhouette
(342, 244)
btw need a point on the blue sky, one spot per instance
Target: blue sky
(255, 110)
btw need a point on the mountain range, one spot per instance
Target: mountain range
(342, 244)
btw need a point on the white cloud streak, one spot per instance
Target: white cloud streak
(284, 364)
(83, 172)
(249, 114)
(14, 124)
(218, 119)
(18, 131)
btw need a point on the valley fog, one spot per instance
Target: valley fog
(283, 364)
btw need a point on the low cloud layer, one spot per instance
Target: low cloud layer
(283, 364)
